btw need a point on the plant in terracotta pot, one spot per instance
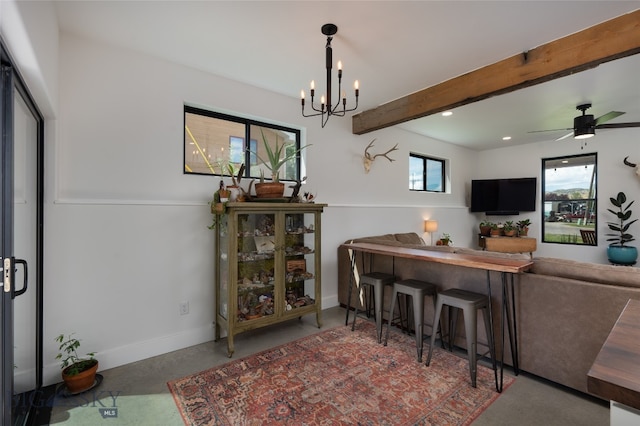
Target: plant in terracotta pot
(618, 251)
(509, 229)
(445, 240)
(276, 158)
(78, 373)
(485, 227)
(496, 229)
(523, 227)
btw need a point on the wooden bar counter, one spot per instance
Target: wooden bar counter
(615, 374)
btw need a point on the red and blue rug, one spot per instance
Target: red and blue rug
(337, 377)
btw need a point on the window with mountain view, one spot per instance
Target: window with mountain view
(569, 203)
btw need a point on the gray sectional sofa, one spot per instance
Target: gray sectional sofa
(564, 309)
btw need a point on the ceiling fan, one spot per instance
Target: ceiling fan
(584, 126)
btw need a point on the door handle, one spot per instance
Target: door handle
(6, 274)
(25, 281)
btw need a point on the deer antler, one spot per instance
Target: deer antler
(368, 159)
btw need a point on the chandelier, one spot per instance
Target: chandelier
(326, 108)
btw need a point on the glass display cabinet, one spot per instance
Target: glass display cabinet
(267, 265)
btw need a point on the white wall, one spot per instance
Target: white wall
(125, 231)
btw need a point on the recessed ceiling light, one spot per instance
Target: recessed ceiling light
(447, 113)
(506, 138)
(565, 161)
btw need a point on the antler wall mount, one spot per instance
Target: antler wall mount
(368, 159)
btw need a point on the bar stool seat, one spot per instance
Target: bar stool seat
(469, 302)
(377, 280)
(417, 290)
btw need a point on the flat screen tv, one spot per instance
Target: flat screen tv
(503, 196)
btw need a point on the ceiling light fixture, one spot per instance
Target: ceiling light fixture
(506, 138)
(584, 125)
(326, 108)
(447, 113)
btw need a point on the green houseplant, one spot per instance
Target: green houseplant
(618, 251)
(523, 227)
(509, 229)
(485, 227)
(78, 373)
(276, 158)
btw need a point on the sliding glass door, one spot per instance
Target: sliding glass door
(21, 216)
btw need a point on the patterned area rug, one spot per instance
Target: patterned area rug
(338, 377)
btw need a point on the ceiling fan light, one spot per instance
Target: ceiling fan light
(584, 127)
(589, 133)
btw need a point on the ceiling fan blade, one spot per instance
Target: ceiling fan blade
(618, 125)
(549, 130)
(565, 136)
(608, 116)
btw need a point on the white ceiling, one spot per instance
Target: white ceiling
(393, 48)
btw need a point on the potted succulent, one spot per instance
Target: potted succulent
(509, 229)
(79, 374)
(618, 252)
(276, 158)
(523, 227)
(485, 227)
(496, 229)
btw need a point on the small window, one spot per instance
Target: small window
(215, 143)
(426, 174)
(569, 202)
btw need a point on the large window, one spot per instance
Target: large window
(216, 143)
(569, 201)
(426, 174)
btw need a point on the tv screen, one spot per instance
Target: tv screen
(503, 196)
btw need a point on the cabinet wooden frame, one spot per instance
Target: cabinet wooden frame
(230, 260)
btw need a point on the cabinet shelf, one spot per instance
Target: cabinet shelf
(268, 266)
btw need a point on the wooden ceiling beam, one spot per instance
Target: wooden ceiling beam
(614, 39)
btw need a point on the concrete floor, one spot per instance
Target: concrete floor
(139, 394)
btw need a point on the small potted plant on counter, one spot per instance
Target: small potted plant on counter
(485, 228)
(618, 252)
(509, 229)
(523, 227)
(79, 374)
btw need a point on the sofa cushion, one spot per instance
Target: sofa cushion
(627, 276)
(409, 238)
(377, 238)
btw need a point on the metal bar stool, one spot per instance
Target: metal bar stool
(469, 302)
(417, 290)
(377, 280)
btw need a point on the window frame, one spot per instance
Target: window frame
(425, 159)
(593, 200)
(247, 156)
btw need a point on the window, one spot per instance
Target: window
(426, 174)
(214, 143)
(569, 203)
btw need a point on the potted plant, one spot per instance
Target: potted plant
(445, 240)
(509, 229)
(618, 252)
(485, 228)
(79, 374)
(523, 227)
(496, 229)
(276, 158)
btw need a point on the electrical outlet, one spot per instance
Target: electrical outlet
(184, 308)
